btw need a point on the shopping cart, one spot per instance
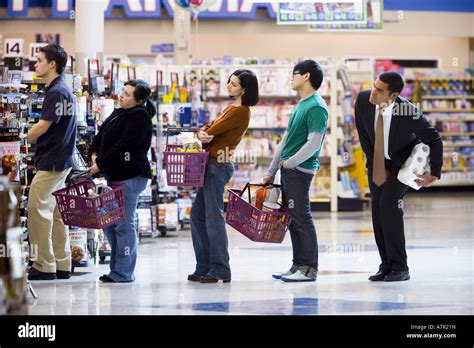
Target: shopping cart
(182, 168)
(77, 208)
(256, 224)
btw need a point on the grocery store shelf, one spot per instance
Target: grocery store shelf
(457, 145)
(320, 200)
(260, 97)
(448, 110)
(266, 128)
(454, 120)
(453, 183)
(459, 170)
(450, 155)
(445, 78)
(448, 134)
(447, 97)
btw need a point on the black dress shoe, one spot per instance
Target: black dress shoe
(34, 274)
(211, 279)
(378, 277)
(397, 276)
(194, 278)
(63, 274)
(106, 279)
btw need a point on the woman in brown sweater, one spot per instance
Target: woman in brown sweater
(223, 135)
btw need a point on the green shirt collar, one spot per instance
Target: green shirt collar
(308, 97)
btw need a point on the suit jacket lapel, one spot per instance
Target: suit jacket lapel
(371, 122)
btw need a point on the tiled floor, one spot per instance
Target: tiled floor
(439, 230)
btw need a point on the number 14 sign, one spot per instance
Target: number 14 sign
(13, 48)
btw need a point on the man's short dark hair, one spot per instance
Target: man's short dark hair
(314, 70)
(57, 54)
(394, 81)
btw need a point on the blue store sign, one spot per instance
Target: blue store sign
(163, 48)
(222, 9)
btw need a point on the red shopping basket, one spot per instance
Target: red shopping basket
(184, 169)
(78, 209)
(256, 224)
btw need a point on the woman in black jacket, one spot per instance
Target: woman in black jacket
(120, 150)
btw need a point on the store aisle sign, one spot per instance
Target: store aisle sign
(35, 50)
(13, 48)
(223, 9)
(163, 48)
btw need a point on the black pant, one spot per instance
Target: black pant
(296, 185)
(387, 220)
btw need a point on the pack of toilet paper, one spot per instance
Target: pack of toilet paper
(417, 163)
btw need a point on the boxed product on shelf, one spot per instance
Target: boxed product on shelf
(455, 126)
(184, 209)
(320, 187)
(456, 178)
(78, 242)
(251, 147)
(258, 117)
(446, 85)
(168, 215)
(102, 108)
(456, 104)
(167, 114)
(12, 109)
(145, 221)
(10, 159)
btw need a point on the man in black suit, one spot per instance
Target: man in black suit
(389, 127)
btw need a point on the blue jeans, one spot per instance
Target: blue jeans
(122, 236)
(208, 225)
(295, 187)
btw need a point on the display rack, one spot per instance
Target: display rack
(448, 102)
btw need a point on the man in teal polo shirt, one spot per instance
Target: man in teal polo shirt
(297, 158)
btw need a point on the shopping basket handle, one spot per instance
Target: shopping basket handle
(261, 185)
(82, 175)
(182, 129)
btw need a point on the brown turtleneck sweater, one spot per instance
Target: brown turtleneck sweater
(228, 130)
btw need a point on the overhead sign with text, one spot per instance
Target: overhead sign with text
(222, 9)
(322, 12)
(374, 22)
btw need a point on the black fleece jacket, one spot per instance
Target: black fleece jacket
(122, 144)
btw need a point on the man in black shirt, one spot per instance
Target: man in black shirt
(55, 137)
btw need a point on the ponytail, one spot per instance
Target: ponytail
(150, 107)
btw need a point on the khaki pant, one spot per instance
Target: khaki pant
(49, 238)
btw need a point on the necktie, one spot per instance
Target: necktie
(378, 171)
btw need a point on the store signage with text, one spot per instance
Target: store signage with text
(224, 9)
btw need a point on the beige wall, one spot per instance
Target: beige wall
(412, 35)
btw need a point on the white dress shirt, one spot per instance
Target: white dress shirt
(387, 120)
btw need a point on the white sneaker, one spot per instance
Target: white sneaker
(298, 276)
(282, 274)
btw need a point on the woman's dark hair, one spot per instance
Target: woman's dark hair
(57, 54)
(249, 82)
(314, 70)
(142, 94)
(394, 81)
